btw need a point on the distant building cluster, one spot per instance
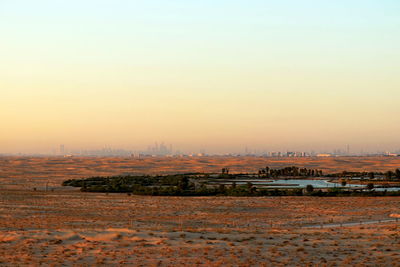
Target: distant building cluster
(163, 150)
(289, 154)
(159, 150)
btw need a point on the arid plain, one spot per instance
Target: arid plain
(65, 227)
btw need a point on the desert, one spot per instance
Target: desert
(65, 227)
(28, 172)
(199, 133)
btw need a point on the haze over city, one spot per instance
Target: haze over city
(202, 75)
(199, 133)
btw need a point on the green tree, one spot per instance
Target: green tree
(84, 187)
(183, 183)
(222, 189)
(249, 185)
(389, 175)
(234, 185)
(225, 170)
(370, 186)
(309, 188)
(397, 173)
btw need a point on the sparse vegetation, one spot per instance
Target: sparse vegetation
(67, 227)
(309, 188)
(224, 184)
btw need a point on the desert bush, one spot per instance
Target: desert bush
(309, 188)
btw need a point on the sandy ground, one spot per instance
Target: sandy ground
(66, 227)
(73, 228)
(29, 172)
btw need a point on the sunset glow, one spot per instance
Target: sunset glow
(213, 75)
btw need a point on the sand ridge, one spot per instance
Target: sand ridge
(29, 172)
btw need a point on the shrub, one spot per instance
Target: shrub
(309, 188)
(370, 186)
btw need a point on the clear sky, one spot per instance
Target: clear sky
(212, 74)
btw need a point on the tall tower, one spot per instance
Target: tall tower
(62, 149)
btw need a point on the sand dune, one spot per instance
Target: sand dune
(30, 172)
(70, 228)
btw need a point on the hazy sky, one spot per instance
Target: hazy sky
(213, 74)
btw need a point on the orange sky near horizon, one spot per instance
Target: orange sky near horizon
(213, 76)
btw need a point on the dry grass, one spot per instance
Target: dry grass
(76, 228)
(29, 172)
(67, 227)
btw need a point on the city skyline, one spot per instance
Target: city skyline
(164, 149)
(218, 76)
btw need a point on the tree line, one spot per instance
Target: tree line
(292, 171)
(196, 185)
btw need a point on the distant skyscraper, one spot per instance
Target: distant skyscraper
(62, 149)
(159, 149)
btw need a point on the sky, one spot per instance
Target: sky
(216, 75)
